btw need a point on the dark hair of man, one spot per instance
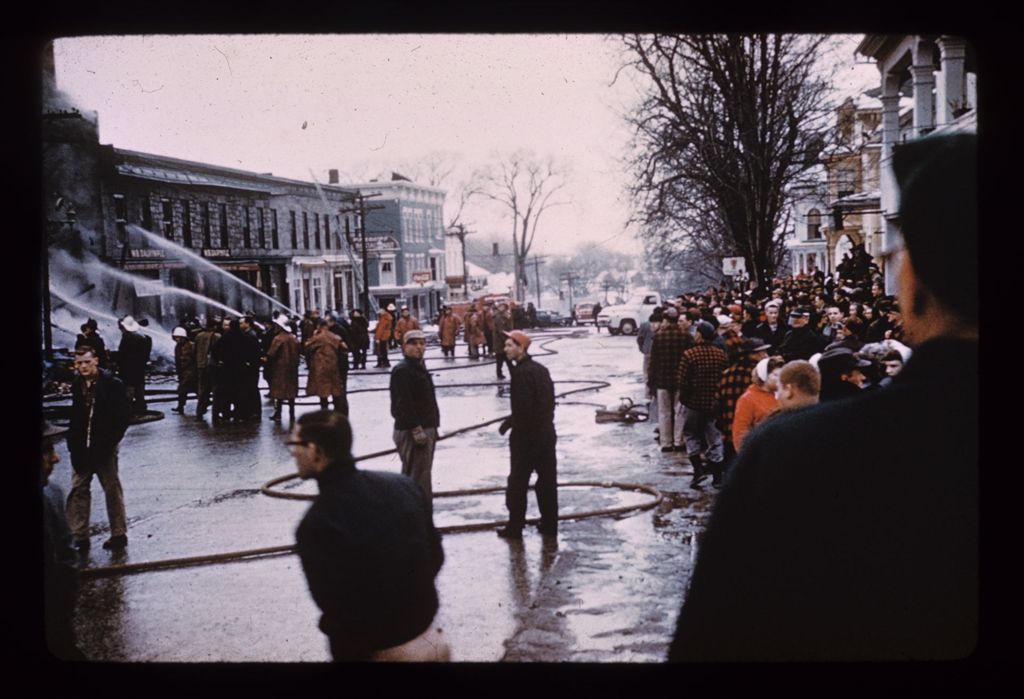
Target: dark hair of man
(892, 356)
(801, 375)
(329, 430)
(854, 325)
(693, 315)
(656, 316)
(937, 177)
(82, 350)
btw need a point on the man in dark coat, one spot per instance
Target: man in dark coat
(360, 331)
(60, 575)
(100, 411)
(132, 358)
(282, 361)
(873, 555)
(369, 550)
(773, 329)
(502, 323)
(414, 407)
(532, 442)
(801, 341)
(90, 337)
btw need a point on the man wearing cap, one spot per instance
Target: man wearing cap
(773, 329)
(532, 442)
(184, 366)
(91, 338)
(405, 322)
(414, 407)
(282, 360)
(874, 555)
(100, 411)
(699, 376)
(842, 374)
(383, 334)
(734, 383)
(672, 339)
(132, 358)
(801, 341)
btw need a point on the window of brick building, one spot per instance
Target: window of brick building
(246, 228)
(295, 232)
(327, 231)
(167, 218)
(275, 242)
(186, 223)
(207, 226)
(223, 225)
(121, 217)
(305, 230)
(316, 230)
(262, 227)
(147, 215)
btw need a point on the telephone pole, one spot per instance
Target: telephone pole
(536, 274)
(360, 207)
(570, 278)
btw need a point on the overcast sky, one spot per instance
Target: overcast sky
(289, 104)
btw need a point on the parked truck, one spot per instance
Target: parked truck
(626, 317)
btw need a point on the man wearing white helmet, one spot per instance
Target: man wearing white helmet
(185, 366)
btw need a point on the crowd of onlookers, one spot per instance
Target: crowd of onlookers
(720, 362)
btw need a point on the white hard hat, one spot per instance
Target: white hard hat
(179, 332)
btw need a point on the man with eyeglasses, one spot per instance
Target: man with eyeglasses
(369, 550)
(100, 412)
(871, 554)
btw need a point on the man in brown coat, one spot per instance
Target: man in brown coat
(383, 334)
(405, 323)
(283, 369)
(323, 358)
(449, 331)
(185, 366)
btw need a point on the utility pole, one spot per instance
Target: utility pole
(570, 278)
(359, 207)
(536, 274)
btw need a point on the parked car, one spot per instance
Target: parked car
(625, 318)
(584, 313)
(551, 319)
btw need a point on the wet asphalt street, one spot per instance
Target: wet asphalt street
(608, 590)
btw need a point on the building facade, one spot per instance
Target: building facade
(939, 73)
(406, 245)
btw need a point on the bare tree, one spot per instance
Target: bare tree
(525, 187)
(727, 124)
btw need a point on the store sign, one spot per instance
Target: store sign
(380, 244)
(146, 253)
(454, 281)
(421, 277)
(216, 252)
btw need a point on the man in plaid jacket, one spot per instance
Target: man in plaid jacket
(672, 339)
(699, 377)
(735, 380)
